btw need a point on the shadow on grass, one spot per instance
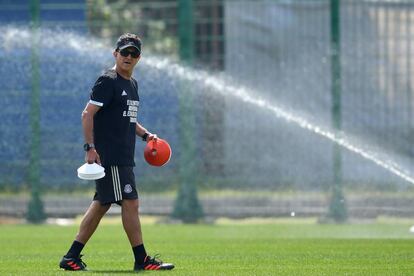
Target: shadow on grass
(110, 272)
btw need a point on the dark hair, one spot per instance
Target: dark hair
(128, 40)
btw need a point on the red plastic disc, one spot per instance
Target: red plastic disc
(157, 152)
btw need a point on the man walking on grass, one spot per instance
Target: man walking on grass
(110, 127)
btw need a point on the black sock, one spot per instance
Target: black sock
(75, 250)
(139, 253)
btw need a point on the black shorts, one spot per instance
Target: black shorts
(118, 184)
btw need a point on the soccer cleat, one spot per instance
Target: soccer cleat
(152, 263)
(74, 264)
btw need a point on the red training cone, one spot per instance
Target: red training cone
(157, 152)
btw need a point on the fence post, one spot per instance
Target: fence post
(35, 211)
(187, 206)
(337, 208)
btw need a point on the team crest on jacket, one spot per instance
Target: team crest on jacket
(127, 188)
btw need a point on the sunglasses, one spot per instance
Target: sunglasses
(126, 52)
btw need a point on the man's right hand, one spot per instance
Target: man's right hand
(92, 156)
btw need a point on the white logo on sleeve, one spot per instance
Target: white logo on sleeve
(124, 93)
(127, 188)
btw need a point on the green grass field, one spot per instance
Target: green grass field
(291, 247)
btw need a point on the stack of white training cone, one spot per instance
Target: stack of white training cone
(91, 171)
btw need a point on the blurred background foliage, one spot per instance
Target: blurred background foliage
(107, 19)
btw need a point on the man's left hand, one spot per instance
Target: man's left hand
(152, 136)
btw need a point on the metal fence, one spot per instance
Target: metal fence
(278, 51)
